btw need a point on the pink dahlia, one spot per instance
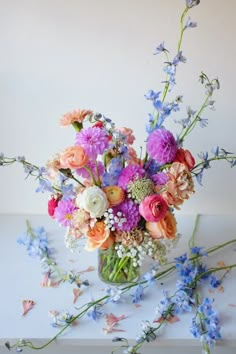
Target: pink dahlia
(161, 146)
(130, 174)
(130, 212)
(63, 212)
(94, 140)
(99, 169)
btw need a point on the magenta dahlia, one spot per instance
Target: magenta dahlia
(130, 174)
(130, 211)
(94, 140)
(161, 146)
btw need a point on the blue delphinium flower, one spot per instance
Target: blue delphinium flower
(183, 302)
(190, 24)
(160, 48)
(68, 191)
(44, 186)
(138, 295)
(114, 294)
(192, 3)
(198, 251)
(95, 313)
(214, 282)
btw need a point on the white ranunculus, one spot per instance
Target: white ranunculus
(94, 201)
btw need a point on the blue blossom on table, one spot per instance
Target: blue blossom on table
(44, 186)
(95, 313)
(205, 325)
(24, 240)
(214, 282)
(215, 151)
(183, 302)
(190, 24)
(233, 163)
(160, 48)
(114, 294)
(138, 294)
(198, 251)
(150, 277)
(182, 258)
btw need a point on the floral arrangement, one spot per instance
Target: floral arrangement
(123, 201)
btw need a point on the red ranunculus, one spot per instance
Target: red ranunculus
(52, 204)
(185, 157)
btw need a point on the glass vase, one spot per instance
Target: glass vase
(115, 270)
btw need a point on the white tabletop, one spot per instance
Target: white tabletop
(21, 275)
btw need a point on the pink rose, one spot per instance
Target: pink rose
(153, 208)
(73, 157)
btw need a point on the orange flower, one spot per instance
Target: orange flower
(97, 236)
(108, 243)
(115, 195)
(180, 185)
(73, 157)
(165, 228)
(75, 116)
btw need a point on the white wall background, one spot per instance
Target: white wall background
(59, 55)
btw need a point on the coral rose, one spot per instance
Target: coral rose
(165, 228)
(180, 185)
(153, 208)
(115, 195)
(73, 157)
(97, 236)
(185, 157)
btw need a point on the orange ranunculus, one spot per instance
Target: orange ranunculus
(185, 157)
(108, 243)
(73, 157)
(97, 235)
(115, 195)
(165, 228)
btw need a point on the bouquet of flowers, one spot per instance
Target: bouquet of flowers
(121, 200)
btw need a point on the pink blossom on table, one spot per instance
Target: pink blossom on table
(93, 140)
(128, 134)
(97, 170)
(63, 212)
(130, 212)
(161, 146)
(180, 185)
(27, 305)
(75, 116)
(153, 208)
(112, 322)
(73, 157)
(130, 174)
(76, 293)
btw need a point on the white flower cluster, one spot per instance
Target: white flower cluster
(111, 219)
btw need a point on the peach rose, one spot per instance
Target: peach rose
(185, 157)
(180, 185)
(165, 228)
(115, 195)
(108, 243)
(97, 236)
(73, 157)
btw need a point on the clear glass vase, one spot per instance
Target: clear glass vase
(115, 270)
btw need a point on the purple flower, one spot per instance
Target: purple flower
(97, 170)
(130, 174)
(94, 140)
(63, 212)
(161, 146)
(160, 178)
(130, 211)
